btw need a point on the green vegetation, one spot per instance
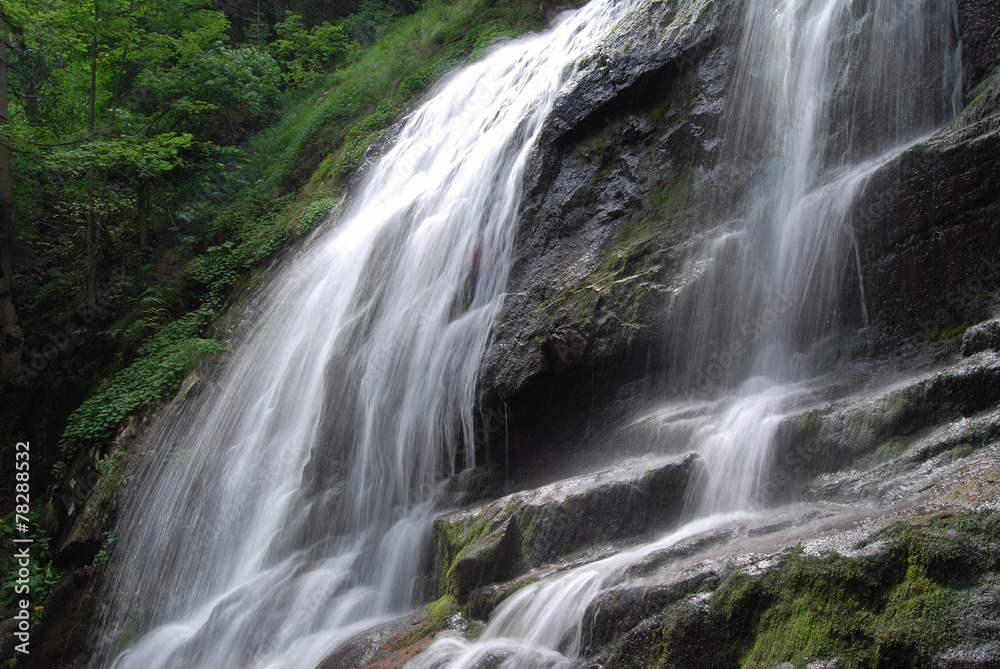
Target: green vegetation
(102, 555)
(670, 199)
(440, 611)
(43, 573)
(956, 331)
(146, 197)
(893, 607)
(158, 370)
(471, 550)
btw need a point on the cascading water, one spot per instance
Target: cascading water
(292, 507)
(823, 93)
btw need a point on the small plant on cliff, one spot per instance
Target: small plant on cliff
(101, 557)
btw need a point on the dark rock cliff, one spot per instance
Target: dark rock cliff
(609, 207)
(623, 185)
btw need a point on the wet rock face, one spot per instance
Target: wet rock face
(619, 155)
(648, 50)
(927, 225)
(500, 540)
(881, 439)
(621, 189)
(979, 25)
(982, 337)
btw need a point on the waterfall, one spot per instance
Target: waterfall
(823, 93)
(291, 507)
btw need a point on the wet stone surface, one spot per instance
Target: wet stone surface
(497, 541)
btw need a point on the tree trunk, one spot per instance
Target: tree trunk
(91, 214)
(143, 207)
(31, 100)
(11, 337)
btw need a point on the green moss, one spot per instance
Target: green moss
(593, 143)
(671, 198)
(637, 228)
(892, 608)
(659, 112)
(816, 611)
(484, 483)
(956, 331)
(979, 117)
(735, 595)
(485, 600)
(810, 422)
(868, 427)
(914, 622)
(459, 544)
(440, 611)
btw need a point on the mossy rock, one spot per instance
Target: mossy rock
(982, 337)
(902, 597)
(869, 431)
(497, 541)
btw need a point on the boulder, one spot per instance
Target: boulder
(384, 646)
(608, 206)
(982, 337)
(497, 541)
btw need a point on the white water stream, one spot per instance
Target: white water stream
(292, 507)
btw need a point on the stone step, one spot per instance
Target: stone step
(917, 419)
(496, 542)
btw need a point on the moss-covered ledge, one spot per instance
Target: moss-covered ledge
(920, 593)
(497, 541)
